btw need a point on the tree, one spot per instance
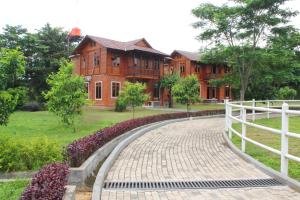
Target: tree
(12, 68)
(134, 94)
(186, 91)
(7, 106)
(42, 50)
(11, 71)
(239, 32)
(67, 95)
(168, 82)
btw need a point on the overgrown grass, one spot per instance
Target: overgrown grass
(273, 140)
(12, 190)
(35, 125)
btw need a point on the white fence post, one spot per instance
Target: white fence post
(241, 110)
(244, 118)
(284, 139)
(253, 111)
(226, 114)
(229, 121)
(268, 106)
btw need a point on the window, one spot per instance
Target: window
(181, 67)
(93, 44)
(116, 60)
(227, 92)
(226, 69)
(115, 89)
(84, 63)
(136, 61)
(156, 64)
(197, 68)
(214, 69)
(96, 60)
(98, 90)
(86, 87)
(156, 91)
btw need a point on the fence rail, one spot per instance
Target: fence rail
(264, 107)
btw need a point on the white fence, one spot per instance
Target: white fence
(267, 108)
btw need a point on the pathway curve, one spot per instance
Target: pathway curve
(187, 151)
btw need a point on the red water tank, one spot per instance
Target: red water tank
(75, 32)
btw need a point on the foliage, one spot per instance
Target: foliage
(239, 33)
(48, 184)
(67, 94)
(134, 94)
(186, 91)
(20, 94)
(79, 150)
(12, 67)
(42, 51)
(27, 155)
(286, 93)
(7, 106)
(168, 82)
(12, 190)
(121, 104)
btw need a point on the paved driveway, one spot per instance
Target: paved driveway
(187, 151)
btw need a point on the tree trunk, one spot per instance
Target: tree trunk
(242, 94)
(170, 98)
(132, 112)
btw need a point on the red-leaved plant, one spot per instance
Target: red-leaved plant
(79, 150)
(48, 184)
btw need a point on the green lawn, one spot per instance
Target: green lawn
(273, 140)
(30, 125)
(201, 106)
(12, 190)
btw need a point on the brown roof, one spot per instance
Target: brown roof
(123, 46)
(194, 56)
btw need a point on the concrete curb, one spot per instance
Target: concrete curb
(70, 192)
(99, 182)
(78, 175)
(267, 170)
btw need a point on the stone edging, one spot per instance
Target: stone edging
(99, 182)
(78, 175)
(269, 171)
(70, 192)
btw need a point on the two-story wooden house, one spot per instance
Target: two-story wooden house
(187, 63)
(106, 64)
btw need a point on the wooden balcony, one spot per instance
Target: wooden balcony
(142, 72)
(209, 76)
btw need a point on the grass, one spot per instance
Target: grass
(31, 125)
(12, 190)
(201, 106)
(273, 140)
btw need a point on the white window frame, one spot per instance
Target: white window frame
(111, 88)
(96, 90)
(88, 89)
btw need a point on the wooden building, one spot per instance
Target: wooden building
(187, 63)
(106, 64)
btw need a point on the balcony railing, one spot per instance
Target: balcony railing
(142, 72)
(211, 76)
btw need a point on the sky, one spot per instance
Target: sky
(165, 24)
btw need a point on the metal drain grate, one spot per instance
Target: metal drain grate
(193, 184)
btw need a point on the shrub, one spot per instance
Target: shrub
(20, 95)
(48, 184)
(32, 107)
(286, 93)
(17, 155)
(7, 106)
(121, 104)
(79, 150)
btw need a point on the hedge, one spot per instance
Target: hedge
(48, 184)
(79, 150)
